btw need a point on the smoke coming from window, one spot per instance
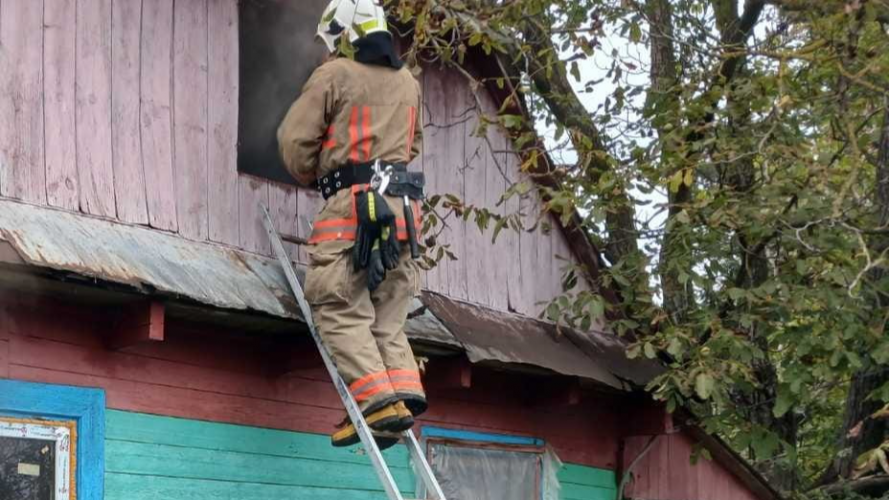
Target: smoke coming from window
(277, 54)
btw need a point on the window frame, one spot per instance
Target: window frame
(63, 435)
(48, 405)
(484, 441)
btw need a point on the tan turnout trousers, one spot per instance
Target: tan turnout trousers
(354, 112)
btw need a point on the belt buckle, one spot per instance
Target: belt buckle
(381, 177)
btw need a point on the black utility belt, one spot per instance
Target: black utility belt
(401, 182)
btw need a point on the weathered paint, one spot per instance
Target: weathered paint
(59, 78)
(147, 133)
(85, 406)
(223, 121)
(129, 175)
(93, 108)
(227, 380)
(176, 459)
(666, 472)
(190, 117)
(153, 456)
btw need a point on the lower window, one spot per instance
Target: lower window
(37, 459)
(477, 466)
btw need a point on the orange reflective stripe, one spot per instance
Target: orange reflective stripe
(365, 133)
(367, 379)
(353, 135)
(329, 139)
(367, 386)
(364, 395)
(411, 129)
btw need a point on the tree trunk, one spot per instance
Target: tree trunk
(853, 442)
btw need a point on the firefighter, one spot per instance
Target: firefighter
(352, 131)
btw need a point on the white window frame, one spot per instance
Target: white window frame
(59, 433)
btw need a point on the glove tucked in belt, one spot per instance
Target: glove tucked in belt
(376, 240)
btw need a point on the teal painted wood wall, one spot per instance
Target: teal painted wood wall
(152, 457)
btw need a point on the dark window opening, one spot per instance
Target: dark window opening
(27, 468)
(278, 52)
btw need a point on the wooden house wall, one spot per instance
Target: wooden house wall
(207, 375)
(666, 472)
(128, 109)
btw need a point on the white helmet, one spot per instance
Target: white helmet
(358, 18)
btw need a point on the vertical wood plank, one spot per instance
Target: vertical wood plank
(190, 117)
(59, 99)
(223, 57)
(434, 154)
(252, 192)
(527, 255)
(93, 108)
(510, 164)
(21, 114)
(156, 112)
(4, 359)
(500, 252)
(129, 176)
(454, 175)
(478, 256)
(308, 204)
(544, 268)
(282, 208)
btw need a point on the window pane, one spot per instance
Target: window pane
(27, 469)
(486, 474)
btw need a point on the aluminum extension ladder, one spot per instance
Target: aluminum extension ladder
(432, 488)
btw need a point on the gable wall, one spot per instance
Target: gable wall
(128, 109)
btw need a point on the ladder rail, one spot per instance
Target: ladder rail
(352, 408)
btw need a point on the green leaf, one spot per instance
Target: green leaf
(783, 403)
(635, 33)
(648, 349)
(704, 385)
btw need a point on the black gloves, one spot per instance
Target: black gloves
(376, 240)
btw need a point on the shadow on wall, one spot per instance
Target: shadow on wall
(278, 52)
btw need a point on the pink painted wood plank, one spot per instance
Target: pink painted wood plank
(528, 256)
(434, 153)
(680, 456)
(59, 54)
(21, 114)
(223, 121)
(252, 192)
(156, 112)
(503, 250)
(454, 175)
(640, 486)
(509, 162)
(478, 257)
(190, 117)
(308, 204)
(543, 268)
(282, 208)
(129, 176)
(93, 108)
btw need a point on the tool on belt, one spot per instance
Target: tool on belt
(391, 179)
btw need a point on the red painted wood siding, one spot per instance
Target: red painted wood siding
(128, 109)
(208, 375)
(666, 472)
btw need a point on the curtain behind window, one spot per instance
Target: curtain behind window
(486, 474)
